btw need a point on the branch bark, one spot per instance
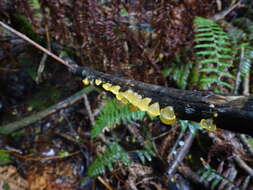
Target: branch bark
(235, 113)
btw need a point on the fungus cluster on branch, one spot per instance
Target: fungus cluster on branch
(166, 114)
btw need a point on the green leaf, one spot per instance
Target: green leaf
(5, 157)
(112, 154)
(114, 114)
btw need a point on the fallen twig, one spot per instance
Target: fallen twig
(181, 154)
(9, 128)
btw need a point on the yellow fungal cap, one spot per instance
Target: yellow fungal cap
(215, 114)
(121, 98)
(154, 110)
(86, 81)
(167, 115)
(114, 89)
(106, 86)
(129, 95)
(208, 124)
(137, 99)
(143, 104)
(98, 82)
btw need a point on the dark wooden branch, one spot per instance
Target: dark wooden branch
(235, 113)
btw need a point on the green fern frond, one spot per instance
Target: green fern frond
(113, 153)
(144, 155)
(113, 114)
(179, 73)
(246, 61)
(213, 54)
(191, 125)
(214, 178)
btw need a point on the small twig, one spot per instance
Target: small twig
(24, 37)
(219, 4)
(44, 58)
(41, 67)
(225, 12)
(88, 108)
(188, 173)
(246, 85)
(175, 146)
(104, 183)
(244, 165)
(26, 157)
(9, 128)
(182, 153)
(238, 75)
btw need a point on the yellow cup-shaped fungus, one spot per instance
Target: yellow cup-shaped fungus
(114, 89)
(98, 82)
(154, 110)
(121, 98)
(215, 114)
(137, 99)
(167, 115)
(143, 104)
(208, 124)
(86, 81)
(107, 86)
(129, 95)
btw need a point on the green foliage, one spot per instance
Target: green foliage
(113, 153)
(191, 125)
(214, 178)
(246, 60)
(179, 73)
(242, 46)
(144, 155)
(113, 114)
(213, 53)
(5, 158)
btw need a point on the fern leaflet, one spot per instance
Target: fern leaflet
(144, 155)
(213, 53)
(113, 114)
(112, 154)
(214, 178)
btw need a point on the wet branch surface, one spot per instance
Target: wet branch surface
(235, 113)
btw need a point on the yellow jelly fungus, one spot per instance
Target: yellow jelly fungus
(86, 81)
(154, 110)
(121, 98)
(167, 115)
(106, 86)
(129, 95)
(215, 114)
(98, 82)
(137, 99)
(143, 104)
(208, 124)
(114, 89)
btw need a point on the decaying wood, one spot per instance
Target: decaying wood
(234, 113)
